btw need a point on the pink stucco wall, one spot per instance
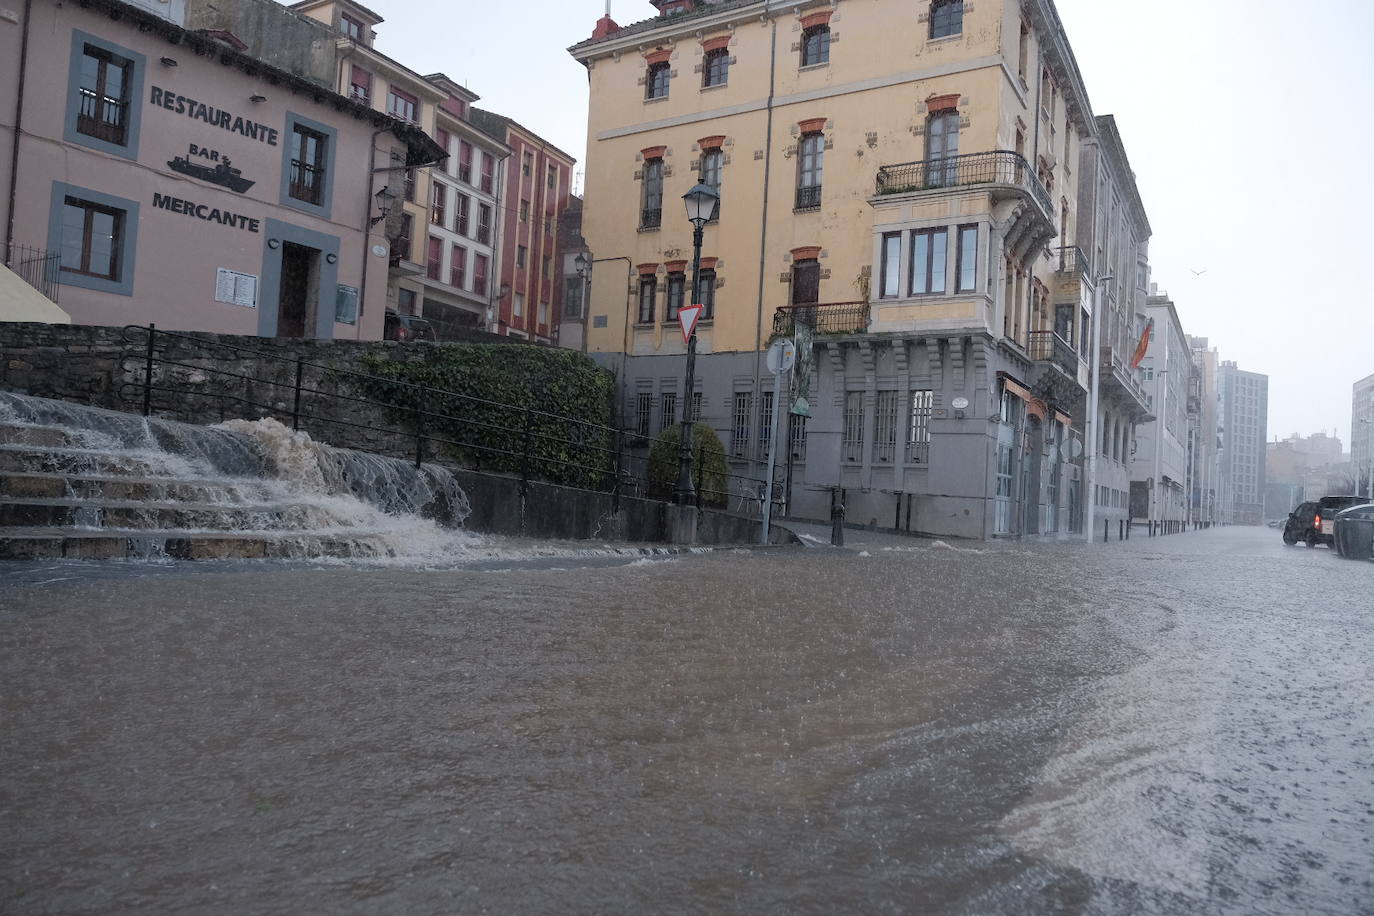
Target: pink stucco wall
(178, 254)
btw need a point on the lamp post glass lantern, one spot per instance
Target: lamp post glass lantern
(386, 199)
(701, 203)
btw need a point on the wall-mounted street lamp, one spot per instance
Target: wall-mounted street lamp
(386, 199)
(583, 264)
(701, 202)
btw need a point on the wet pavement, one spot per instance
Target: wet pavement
(1170, 725)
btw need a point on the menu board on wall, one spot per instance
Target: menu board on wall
(346, 305)
(236, 288)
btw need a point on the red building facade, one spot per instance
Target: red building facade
(537, 187)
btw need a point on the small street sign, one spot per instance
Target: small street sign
(687, 316)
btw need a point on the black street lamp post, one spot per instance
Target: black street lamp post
(701, 203)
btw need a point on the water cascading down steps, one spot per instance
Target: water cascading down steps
(79, 482)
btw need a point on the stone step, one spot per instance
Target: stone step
(22, 434)
(75, 461)
(96, 514)
(51, 485)
(116, 544)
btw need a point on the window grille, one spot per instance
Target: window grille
(885, 428)
(739, 424)
(667, 413)
(918, 438)
(765, 424)
(797, 436)
(852, 443)
(644, 411)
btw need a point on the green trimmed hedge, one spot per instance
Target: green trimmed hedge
(708, 464)
(499, 398)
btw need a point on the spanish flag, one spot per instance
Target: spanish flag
(1144, 345)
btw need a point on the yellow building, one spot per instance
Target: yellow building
(897, 180)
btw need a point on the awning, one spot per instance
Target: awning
(21, 302)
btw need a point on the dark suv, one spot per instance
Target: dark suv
(407, 327)
(1314, 523)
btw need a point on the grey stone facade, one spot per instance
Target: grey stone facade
(992, 468)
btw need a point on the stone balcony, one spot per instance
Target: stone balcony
(1119, 380)
(1062, 376)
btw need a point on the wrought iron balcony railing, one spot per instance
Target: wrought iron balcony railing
(1047, 346)
(823, 318)
(1000, 167)
(651, 217)
(1070, 259)
(808, 198)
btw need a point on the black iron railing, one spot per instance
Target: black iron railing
(808, 198)
(823, 318)
(100, 116)
(651, 217)
(40, 269)
(1000, 167)
(306, 181)
(1070, 259)
(175, 370)
(1047, 346)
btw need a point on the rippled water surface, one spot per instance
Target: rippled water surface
(1177, 725)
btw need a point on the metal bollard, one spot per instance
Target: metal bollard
(837, 518)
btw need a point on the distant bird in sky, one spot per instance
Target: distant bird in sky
(1198, 273)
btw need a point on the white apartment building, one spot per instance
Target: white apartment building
(1159, 479)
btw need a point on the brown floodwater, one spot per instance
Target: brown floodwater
(1177, 725)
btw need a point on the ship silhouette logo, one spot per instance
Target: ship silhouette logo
(221, 173)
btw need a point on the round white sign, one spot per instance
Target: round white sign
(782, 355)
(379, 250)
(959, 403)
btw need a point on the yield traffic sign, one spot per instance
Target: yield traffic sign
(688, 316)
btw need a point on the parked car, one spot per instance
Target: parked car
(407, 327)
(1354, 535)
(1314, 523)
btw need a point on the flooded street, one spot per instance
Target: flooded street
(1171, 725)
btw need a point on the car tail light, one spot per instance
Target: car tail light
(403, 333)
(1317, 522)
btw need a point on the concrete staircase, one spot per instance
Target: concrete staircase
(68, 492)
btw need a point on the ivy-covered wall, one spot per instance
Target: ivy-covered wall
(537, 411)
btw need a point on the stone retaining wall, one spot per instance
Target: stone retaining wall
(101, 366)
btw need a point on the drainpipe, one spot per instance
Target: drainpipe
(367, 236)
(763, 229)
(18, 125)
(625, 337)
(498, 233)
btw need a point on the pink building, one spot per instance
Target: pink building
(186, 183)
(538, 184)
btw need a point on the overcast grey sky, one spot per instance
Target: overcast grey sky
(1246, 122)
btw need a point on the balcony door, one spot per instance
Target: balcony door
(942, 145)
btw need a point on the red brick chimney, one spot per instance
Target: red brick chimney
(604, 26)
